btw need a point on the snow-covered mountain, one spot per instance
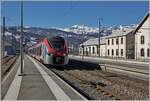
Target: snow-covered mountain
(81, 29)
(75, 34)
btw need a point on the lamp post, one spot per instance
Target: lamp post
(3, 38)
(82, 47)
(21, 41)
(99, 37)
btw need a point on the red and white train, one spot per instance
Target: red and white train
(51, 51)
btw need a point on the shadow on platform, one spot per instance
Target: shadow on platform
(79, 65)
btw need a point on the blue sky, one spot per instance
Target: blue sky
(67, 13)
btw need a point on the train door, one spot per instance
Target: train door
(43, 52)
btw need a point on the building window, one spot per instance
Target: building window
(148, 52)
(142, 52)
(142, 39)
(108, 42)
(121, 40)
(93, 50)
(108, 52)
(89, 49)
(117, 52)
(112, 52)
(97, 50)
(86, 51)
(112, 41)
(117, 42)
(121, 52)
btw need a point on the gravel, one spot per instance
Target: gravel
(128, 88)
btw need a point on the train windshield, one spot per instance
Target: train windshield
(57, 43)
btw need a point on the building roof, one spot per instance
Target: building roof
(141, 23)
(94, 41)
(123, 32)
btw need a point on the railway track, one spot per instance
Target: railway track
(6, 59)
(76, 88)
(67, 82)
(120, 80)
(7, 64)
(99, 87)
(104, 84)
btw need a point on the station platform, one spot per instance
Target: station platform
(38, 83)
(130, 68)
(119, 62)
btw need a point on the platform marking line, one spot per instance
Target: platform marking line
(13, 91)
(57, 91)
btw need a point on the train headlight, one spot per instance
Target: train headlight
(64, 54)
(50, 54)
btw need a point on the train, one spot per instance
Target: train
(51, 51)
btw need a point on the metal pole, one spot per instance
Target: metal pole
(99, 37)
(67, 43)
(3, 38)
(21, 40)
(82, 48)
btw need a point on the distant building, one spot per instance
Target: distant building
(126, 42)
(142, 37)
(90, 47)
(120, 44)
(8, 49)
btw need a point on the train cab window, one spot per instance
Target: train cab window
(57, 43)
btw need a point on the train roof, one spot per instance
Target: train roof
(50, 38)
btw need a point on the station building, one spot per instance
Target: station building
(142, 37)
(90, 47)
(126, 43)
(120, 44)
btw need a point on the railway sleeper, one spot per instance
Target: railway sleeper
(109, 93)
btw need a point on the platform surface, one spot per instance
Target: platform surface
(39, 84)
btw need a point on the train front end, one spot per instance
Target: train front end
(59, 55)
